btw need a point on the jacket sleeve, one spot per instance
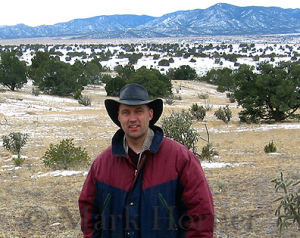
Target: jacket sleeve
(88, 211)
(197, 199)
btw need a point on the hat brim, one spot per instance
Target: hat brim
(112, 108)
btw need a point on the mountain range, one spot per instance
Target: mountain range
(219, 19)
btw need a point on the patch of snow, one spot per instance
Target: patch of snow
(22, 157)
(61, 173)
(213, 165)
(15, 168)
(274, 153)
(286, 126)
(55, 224)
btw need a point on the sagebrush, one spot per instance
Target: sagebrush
(198, 112)
(14, 142)
(271, 147)
(224, 114)
(65, 155)
(85, 101)
(178, 127)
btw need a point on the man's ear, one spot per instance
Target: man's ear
(150, 114)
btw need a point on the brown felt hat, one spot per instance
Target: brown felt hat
(133, 94)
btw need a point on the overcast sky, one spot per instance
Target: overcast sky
(37, 12)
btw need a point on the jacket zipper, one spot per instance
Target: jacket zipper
(138, 164)
(166, 206)
(137, 169)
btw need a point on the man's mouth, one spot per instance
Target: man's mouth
(133, 126)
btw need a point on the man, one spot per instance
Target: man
(144, 184)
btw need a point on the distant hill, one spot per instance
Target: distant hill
(220, 19)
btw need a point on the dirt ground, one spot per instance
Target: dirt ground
(35, 203)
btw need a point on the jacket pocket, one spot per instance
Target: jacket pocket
(166, 206)
(106, 202)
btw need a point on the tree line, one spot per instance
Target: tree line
(55, 77)
(265, 92)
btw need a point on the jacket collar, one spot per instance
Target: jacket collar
(146, 145)
(152, 142)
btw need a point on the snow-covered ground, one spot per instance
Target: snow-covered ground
(279, 52)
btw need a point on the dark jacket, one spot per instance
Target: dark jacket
(168, 196)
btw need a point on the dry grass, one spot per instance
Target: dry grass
(47, 206)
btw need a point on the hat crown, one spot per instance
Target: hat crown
(134, 92)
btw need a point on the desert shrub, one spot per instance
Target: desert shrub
(221, 88)
(203, 96)
(164, 62)
(221, 185)
(231, 97)
(295, 116)
(77, 95)
(207, 152)
(208, 107)
(171, 60)
(85, 100)
(177, 98)
(18, 161)
(35, 91)
(271, 147)
(232, 100)
(169, 101)
(178, 127)
(224, 114)
(14, 142)
(288, 211)
(198, 112)
(247, 117)
(156, 56)
(65, 156)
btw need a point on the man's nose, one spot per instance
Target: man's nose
(132, 117)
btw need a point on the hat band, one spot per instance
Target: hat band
(133, 97)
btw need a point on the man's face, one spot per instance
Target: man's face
(135, 120)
